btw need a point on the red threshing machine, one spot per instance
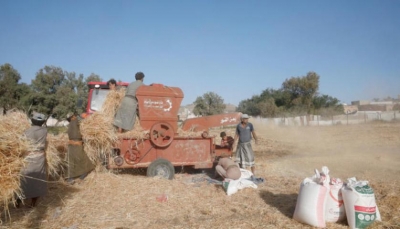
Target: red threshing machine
(163, 148)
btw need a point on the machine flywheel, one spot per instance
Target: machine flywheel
(162, 134)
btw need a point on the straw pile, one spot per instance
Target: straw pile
(99, 136)
(98, 132)
(137, 131)
(112, 102)
(13, 147)
(189, 133)
(56, 149)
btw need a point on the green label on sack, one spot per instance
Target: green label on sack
(364, 216)
(225, 184)
(364, 189)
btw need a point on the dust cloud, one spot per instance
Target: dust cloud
(365, 151)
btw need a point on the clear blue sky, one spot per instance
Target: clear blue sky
(233, 48)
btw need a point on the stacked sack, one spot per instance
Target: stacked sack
(324, 199)
(360, 204)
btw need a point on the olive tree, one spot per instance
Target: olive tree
(209, 104)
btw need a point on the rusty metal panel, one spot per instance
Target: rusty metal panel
(188, 151)
(194, 151)
(158, 103)
(206, 122)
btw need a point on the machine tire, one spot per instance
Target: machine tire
(161, 167)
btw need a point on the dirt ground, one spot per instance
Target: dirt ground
(284, 157)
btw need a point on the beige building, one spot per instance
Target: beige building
(365, 105)
(350, 109)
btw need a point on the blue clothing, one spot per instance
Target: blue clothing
(244, 133)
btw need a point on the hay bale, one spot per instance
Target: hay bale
(112, 102)
(137, 132)
(13, 148)
(15, 120)
(98, 132)
(56, 149)
(99, 136)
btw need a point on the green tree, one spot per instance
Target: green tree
(326, 105)
(324, 101)
(281, 97)
(44, 97)
(249, 106)
(268, 108)
(67, 95)
(23, 93)
(10, 91)
(93, 78)
(302, 90)
(209, 104)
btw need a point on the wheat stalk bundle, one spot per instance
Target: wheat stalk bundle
(112, 102)
(13, 147)
(99, 136)
(56, 148)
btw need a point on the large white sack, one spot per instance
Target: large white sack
(335, 210)
(360, 204)
(232, 186)
(311, 201)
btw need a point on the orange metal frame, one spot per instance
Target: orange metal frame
(158, 112)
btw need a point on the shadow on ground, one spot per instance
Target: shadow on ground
(47, 206)
(285, 203)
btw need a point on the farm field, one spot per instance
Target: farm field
(284, 157)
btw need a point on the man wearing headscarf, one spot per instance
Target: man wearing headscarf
(78, 163)
(34, 174)
(126, 115)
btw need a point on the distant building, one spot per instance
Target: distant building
(365, 105)
(377, 106)
(350, 109)
(360, 102)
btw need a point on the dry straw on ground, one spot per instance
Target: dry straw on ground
(125, 200)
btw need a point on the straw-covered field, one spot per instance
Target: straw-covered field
(284, 157)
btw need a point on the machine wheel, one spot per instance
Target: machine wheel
(162, 134)
(162, 168)
(132, 156)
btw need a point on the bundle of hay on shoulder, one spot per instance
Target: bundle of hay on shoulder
(99, 136)
(56, 149)
(98, 132)
(112, 102)
(13, 148)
